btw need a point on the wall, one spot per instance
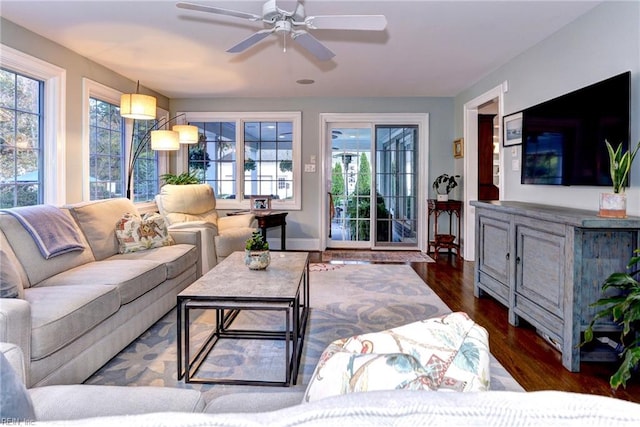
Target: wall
(304, 225)
(77, 67)
(600, 44)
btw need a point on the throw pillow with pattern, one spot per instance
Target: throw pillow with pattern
(138, 234)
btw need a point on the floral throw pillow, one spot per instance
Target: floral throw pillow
(138, 234)
(450, 352)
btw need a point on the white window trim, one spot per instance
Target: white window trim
(240, 118)
(55, 81)
(92, 89)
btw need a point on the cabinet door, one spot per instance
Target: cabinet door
(540, 264)
(493, 253)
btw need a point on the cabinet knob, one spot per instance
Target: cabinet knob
(517, 260)
(507, 256)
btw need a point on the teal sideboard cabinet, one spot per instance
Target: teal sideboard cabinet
(546, 264)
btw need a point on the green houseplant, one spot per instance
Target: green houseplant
(184, 178)
(443, 185)
(621, 301)
(256, 254)
(614, 205)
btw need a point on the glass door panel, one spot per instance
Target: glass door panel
(396, 182)
(350, 186)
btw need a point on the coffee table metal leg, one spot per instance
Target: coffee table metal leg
(179, 343)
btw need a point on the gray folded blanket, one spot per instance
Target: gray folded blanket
(53, 232)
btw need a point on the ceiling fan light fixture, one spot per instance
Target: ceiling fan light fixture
(137, 106)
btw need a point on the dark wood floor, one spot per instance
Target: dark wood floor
(528, 357)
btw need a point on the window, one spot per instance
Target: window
(32, 149)
(106, 151)
(264, 146)
(108, 136)
(21, 114)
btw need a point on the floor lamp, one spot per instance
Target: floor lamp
(137, 106)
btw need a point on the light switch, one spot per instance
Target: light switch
(312, 159)
(309, 167)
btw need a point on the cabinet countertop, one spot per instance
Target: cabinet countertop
(575, 217)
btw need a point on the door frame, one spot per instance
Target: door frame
(417, 119)
(470, 171)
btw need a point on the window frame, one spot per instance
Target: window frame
(93, 89)
(54, 111)
(240, 118)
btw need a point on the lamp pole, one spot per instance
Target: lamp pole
(136, 151)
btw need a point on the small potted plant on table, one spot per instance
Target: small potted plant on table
(614, 205)
(256, 254)
(443, 186)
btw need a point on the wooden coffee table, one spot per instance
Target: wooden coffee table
(231, 287)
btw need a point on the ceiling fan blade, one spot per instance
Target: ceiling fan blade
(346, 22)
(250, 41)
(219, 11)
(312, 45)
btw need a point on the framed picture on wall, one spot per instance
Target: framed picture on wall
(458, 148)
(260, 203)
(512, 130)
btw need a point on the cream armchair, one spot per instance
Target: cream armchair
(194, 207)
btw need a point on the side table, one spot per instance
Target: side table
(270, 219)
(448, 241)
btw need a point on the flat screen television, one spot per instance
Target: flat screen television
(563, 139)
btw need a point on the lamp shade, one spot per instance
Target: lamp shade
(137, 106)
(188, 133)
(165, 140)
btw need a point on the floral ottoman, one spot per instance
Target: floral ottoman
(450, 352)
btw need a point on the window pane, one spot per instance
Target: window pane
(106, 151)
(268, 159)
(213, 158)
(145, 174)
(21, 146)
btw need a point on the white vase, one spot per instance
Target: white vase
(613, 205)
(257, 260)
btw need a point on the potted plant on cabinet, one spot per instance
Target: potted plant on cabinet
(614, 205)
(256, 254)
(621, 301)
(443, 186)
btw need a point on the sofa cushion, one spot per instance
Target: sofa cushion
(70, 402)
(184, 203)
(15, 403)
(35, 266)
(176, 258)
(61, 314)
(97, 220)
(136, 234)
(10, 283)
(447, 352)
(132, 277)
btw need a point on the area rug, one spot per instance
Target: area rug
(347, 256)
(346, 300)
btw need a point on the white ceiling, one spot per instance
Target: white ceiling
(430, 48)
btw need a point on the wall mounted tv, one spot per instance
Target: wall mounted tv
(563, 139)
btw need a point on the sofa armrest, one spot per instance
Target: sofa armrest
(236, 221)
(15, 327)
(206, 247)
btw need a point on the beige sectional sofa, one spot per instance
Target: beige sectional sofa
(77, 310)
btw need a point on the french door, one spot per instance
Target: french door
(374, 178)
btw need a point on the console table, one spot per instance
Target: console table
(547, 265)
(448, 241)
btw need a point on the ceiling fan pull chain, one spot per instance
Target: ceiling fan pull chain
(284, 41)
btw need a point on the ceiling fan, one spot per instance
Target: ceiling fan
(295, 24)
